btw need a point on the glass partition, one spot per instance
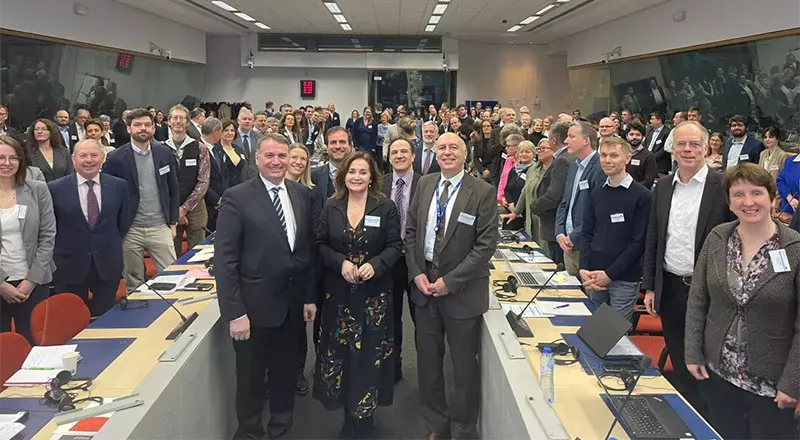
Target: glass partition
(37, 77)
(414, 89)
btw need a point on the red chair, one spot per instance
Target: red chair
(645, 324)
(14, 348)
(58, 319)
(656, 349)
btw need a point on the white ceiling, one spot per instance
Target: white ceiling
(474, 20)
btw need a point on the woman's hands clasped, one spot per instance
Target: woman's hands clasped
(354, 274)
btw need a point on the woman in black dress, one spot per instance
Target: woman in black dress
(231, 155)
(359, 242)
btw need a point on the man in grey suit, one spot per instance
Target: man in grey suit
(451, 234)
(196, 118)
(248, 137)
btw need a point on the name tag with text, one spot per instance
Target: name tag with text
(744, 157)
(780, 262)
(583, 185)
(164, 170)
(635, 162)
(467, 219)
(618, 218)
(191, 162)
(372, 221)
(21, 211)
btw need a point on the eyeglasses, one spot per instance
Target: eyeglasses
(10, 159)
(543, 148)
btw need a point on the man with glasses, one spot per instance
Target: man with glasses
(5, 130)
(686, 206)
(739, 147)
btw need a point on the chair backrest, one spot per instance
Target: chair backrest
(58, 319)
(14, 348)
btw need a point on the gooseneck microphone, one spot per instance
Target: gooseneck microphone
(517, 323)
(185, 322)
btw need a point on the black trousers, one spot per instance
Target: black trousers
(672, 310)
(556, 253)
(739, 414)
(400, 286)
(104, 293)
(21, 312)
(302, 335)
(274, 348)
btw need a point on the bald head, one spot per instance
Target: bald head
(563, 117)
(606, 127)
(87, 158)
(451, 154)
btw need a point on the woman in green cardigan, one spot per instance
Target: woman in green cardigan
(544, 158)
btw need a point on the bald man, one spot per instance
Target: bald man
(451, 234)
(606, 128)
(563, 117)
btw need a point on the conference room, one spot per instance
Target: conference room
(557, 219)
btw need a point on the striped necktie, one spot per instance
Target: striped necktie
(276, 201)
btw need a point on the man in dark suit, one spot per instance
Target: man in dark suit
(91, 212)
(196, 118)
(658, 97)
(584, 175)
(740, 147)
(76, 130)
(5, 129)
(678, 226)
(448, 251)
(120, 130)
(400, 185)
(335, 120)
(150, 169)
(212, 133)
(656, 140)
(425, 154)
(264, 269)
(248, 137)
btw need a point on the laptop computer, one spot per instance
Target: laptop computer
(605, 332)
(534, 277)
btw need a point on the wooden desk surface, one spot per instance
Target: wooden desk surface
(577, 395)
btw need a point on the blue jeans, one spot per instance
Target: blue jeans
(621, 295)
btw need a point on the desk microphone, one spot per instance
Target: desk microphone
(185, 322)
(630, 379)
(520, 327)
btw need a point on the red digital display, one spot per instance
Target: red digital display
(308, 88)
(124, 62)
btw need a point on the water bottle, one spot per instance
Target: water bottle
(547, 369)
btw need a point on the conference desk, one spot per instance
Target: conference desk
(190, 397)
(513, 405)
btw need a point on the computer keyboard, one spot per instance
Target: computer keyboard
(640, 417)
(527, 279)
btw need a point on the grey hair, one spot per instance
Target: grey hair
(178, 108)
(704, 136)
(104, 118)
(86, 142)
(209, 125)
(558, 132)
(528, 145)
(587, 131)
(510, 129)
(431, 123)
(273, 120)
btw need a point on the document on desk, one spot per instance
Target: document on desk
(30, 378)
(179, 281)
(47, 357)
(9, 430)
(563, 308)
(532, 312)
(534, 257)
(202, 255)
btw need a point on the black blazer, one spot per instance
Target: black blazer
(62, 163)
(336, 120)
(121, 163)
(120, 131)
(663, 158)
(752, 149)
(77, 244)
(383, 246)
(550, 193)
(162, 132)
(418, 155)
(216, 182)
(713, 211)
(73, 136)
(257, 273)
(229, 174)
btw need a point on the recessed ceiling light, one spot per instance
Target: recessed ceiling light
(440, 8)
(262, 25)
(244, 16)
(545, 9)
(333, 7)
(346, 27)
(529, 20)
(562, 1)
(223, 5)
(430, 28)
(514, 28)
(444, 1)
(435, 19)
(340, 18)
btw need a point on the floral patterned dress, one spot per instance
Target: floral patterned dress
(355, 364)
(742, 282)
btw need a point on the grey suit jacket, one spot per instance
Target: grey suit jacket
(38, 231)
(193, 132)
(253, 140)
(771, 315)
(467, 249)
(62, 163)
(35, 173)
(392, 133)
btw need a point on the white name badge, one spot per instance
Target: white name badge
(796, 158)
(780, 263)
(467, 219)
(635, 162)
(744, 157)
(372, 221)
(523, 176)
(21, 211)
(74, 137)
(242, 156)
(191, 162)
(583, 185)
(163, 170)
(658, 141)
(505, 156)
(618, 218)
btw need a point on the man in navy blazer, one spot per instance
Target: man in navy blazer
(150, 170)
(91, 211)
(740, 147)
(584, 175)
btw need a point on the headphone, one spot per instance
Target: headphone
(513, 238)
(508, 288)
(60, 397)
(561, 349)
(628, 378)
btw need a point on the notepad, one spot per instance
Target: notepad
(178, 280)
(31, 378)
(531, 312)
(47, 357)
(565, 308)
(202, 255)
(199, 274)
(9, 430)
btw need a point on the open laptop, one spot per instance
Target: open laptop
(605, 332)
(534, 277)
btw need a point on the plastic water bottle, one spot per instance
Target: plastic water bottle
(547, 367)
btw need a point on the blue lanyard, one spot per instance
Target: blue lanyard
(442, 210)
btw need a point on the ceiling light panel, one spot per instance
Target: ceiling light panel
(430, 28)
(244, 16)
(545, 9)
(435, 19)
(529, 20)
(223, 5)
(340, 18)
(333, 7)
(514, 28)
(262, 25)
(346, 27)
(439, 9)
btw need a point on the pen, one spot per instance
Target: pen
(563, 306)
(41, 368)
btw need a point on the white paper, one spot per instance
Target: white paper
(9, 430)
(530, 312)
(563, 308)
(30, 378)
(202, 255)
(179, 280)
(11, 417)
(534, 258)
(47, 357)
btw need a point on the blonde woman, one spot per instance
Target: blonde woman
(298, 170)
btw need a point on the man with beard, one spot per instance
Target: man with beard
(739, 147)
(150, 169)
(62, 123)
(642, 166)
(425, 154)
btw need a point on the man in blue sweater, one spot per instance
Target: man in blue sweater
(613, 233)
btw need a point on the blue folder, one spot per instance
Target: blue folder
(98, 354)
(134, 317)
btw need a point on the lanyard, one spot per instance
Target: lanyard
(442, 210)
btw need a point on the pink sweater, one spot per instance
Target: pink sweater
(501, 188)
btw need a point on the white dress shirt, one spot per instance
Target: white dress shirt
(682, 227)
(286, 204)
(83, 194)
(430, 229)
(656, 134)
(569, 226)
(735, 152)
